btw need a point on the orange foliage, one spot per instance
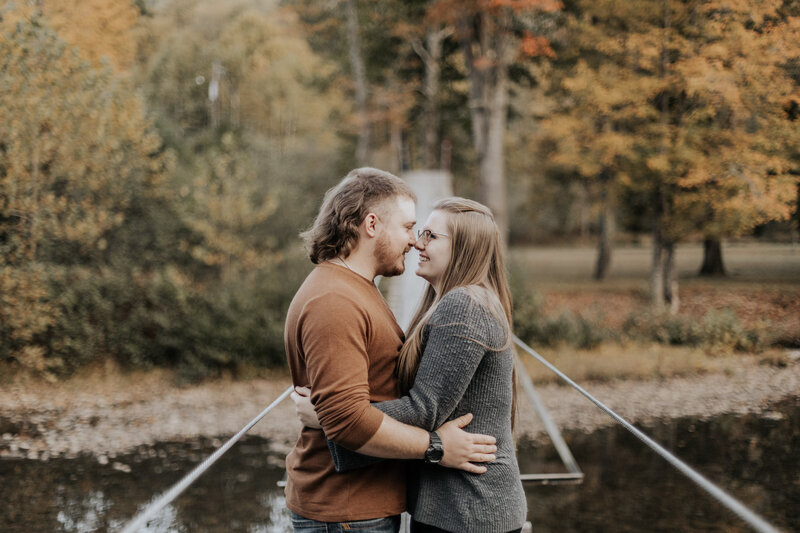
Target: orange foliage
(547, 6)
(534, 46)
(451, 11)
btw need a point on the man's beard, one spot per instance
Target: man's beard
(387, 262)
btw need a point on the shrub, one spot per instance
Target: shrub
(723, 330)
(717, 330)
(532, 325)
(160, 318)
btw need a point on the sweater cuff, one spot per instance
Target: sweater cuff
(344, 459)
(359, 433)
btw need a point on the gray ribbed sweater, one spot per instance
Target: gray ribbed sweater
(458, 374)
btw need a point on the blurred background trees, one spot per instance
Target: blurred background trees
(159, 158)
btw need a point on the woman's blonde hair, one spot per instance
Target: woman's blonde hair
(476, 262)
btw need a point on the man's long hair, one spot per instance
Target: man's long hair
(335, 230)
(476, 262)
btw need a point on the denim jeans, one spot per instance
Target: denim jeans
(389, 524)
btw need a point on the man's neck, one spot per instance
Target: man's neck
(360, 263)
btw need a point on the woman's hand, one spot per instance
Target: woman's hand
(462, 449)
(304, 408)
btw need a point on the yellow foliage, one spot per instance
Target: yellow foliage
(77, 149)
(99, 28)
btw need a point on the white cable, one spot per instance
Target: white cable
(150, 511)
(758, 523)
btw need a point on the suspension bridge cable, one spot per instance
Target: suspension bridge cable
(758, 523)
(151, 510)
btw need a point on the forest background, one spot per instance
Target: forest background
(158, 158)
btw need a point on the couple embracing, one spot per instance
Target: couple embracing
(385, 412)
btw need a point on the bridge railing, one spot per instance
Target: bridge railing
(573, 474)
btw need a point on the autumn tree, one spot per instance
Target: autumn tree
(599, 108)
(677, 102)
(99, 29)
(375, 46)
(236, 89)
(76, 153)
(742, 60)
(492, 35)
(724, 161)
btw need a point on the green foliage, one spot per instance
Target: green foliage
(719, 330)
(117, 247)
(77, 158)
(158, 319)
(723, 330)
(534, 326)
(663, 328)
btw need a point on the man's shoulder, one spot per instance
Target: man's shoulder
(326, 292)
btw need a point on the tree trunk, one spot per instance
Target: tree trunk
(583, 210)
(712, 258)
(488, 103)
(33, 238)
(670, 278)
(447, 152)
(492, 170)
(431, 56)
(607, 229)
(797, 208)
(396, 141)
(657, 272)
(359, 82)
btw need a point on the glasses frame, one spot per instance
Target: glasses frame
(426, 235)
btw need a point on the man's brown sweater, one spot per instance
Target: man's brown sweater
(342, 340)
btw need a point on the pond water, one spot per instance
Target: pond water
(628, 488)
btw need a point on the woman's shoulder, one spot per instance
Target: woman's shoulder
(468, 301)
(474, 310)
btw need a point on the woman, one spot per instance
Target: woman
(458, 359)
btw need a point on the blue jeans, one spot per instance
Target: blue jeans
(389, 524)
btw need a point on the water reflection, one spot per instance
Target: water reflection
(239, 493)
(627, 487)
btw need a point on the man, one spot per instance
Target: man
(342, 341)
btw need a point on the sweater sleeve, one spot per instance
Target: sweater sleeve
(459, 332)
(334, 333)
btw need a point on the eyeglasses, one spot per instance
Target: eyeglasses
(427, 236)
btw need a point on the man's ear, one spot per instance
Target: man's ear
(370, 224)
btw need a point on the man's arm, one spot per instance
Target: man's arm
(391, 441)
(337, 365)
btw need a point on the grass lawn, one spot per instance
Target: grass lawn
(762, 288)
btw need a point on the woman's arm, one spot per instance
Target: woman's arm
(460, 330)
(453, 351)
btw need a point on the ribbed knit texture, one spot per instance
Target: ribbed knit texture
(461, 372)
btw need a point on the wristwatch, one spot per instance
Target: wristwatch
(435, 452)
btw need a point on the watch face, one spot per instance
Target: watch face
(434, 453)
